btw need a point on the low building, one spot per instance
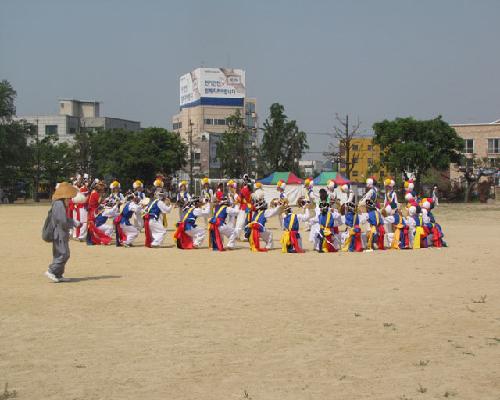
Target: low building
(482, 146)
(364, 159)
(77, 116)
(311, 168)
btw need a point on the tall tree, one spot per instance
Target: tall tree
(132, 155)
(7, 100)
(15, 154)
(57, 160)
(235, 151)
(410, 145)
(341, 151)
(283, 144)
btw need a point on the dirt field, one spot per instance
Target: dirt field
(144, 323)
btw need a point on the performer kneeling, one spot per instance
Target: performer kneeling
(104, 212)
(155, 220)
(397, 235)
(188, 235)
(218, 227)
(352, 235)
(418, 233)
(325, 229)
(258, 226)
(291, 241)
(126, 232)
(376, 233)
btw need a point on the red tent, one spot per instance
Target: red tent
(341, 180)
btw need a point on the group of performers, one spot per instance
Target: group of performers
(234, 213)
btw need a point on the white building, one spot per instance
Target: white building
(77, 116)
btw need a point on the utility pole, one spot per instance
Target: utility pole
(191, 155)
(37, 172)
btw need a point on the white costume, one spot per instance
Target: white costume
(156, 210)
(110, 213)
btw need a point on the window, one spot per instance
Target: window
(370, 147)
(51, 129)
(354, 173)
(382, 174)
(197, 156)
(209, 121)
(493, 145)
(469, 146)
(220, 122)
(370, 161)
(177, 125)
(354, 160)
(355, 147)
(72, 130)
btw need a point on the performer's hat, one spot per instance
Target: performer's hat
(389, 182)
(426, 204)
(281, 184)
(204, 181)
(137, 184)
(412, 210)
(223, 200)
(369, 182)
(331, 184)
(408, 196)
(182, 183)
(258, 185)
(158, 183)
(64, 190)
(409, 184)
(114, 185)
(232, 184)
(344, 187)
(308, 182)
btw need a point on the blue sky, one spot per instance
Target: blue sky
(371, 59)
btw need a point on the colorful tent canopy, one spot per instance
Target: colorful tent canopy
(323, 178)
(287, 177)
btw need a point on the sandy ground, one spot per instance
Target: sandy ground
(144, 323)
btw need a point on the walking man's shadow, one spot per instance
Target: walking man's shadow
(94, 278)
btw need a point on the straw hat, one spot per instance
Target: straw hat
(137, 184)
(204, 181)
(64, 190)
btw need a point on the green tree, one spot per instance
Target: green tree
(16, 157)
(57, 160)
(15, 154)
(410, 145)
(235, 150)
(131, 155)
(7, 100)
(283, 144)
